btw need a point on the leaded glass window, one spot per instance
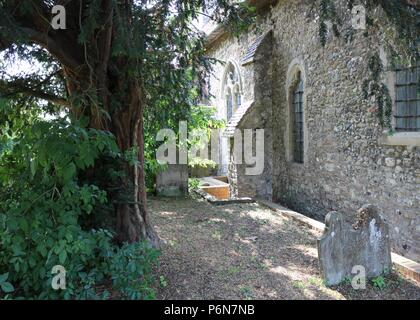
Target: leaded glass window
(297, 118)
(232, 90)
(407, 91)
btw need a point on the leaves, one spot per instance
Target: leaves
(3, 277)
(69, 172)
(62, 257)
(53, 173)
(5, 286)
(374, 87)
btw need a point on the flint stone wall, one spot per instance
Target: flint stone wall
(347, 163)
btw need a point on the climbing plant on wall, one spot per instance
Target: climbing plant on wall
(328, 14)
(400, 34)
(374, 87)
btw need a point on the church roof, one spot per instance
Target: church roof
(248, 57)
(236, 119)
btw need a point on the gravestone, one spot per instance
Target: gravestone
(361, 241)
(173, 182)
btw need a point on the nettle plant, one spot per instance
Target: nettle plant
(400, 32)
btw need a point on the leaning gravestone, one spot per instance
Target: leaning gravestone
(361, 242)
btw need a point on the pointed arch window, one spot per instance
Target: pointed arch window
(229, 104)
(297, 120)
(232, 90)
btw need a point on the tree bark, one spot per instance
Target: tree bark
(93, 78)
(133, 222)
(126, 124)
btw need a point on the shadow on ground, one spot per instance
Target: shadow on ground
(245, 251)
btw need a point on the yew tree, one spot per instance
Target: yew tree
(113, 60)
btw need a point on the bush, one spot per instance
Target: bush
(128, 264)
(42, 204)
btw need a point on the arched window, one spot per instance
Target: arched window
(232, 90)
(297, 120)
(238, 98)
(229, 103)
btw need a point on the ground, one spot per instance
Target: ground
(246, 251)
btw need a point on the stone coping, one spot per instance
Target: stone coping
(407, 267)
(410, 139)
(214, 200)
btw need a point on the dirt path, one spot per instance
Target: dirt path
(245, 251)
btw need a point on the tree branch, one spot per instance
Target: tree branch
(34, 25)
(10, 88)
(55, 50)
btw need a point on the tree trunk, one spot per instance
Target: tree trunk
(133, 223)
(102, 85)
(132, 219)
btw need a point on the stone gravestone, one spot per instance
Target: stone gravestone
(361, 242)
(173, 182)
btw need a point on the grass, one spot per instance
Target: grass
(239, 259)
(246, 292)
(233, 270)
(298, 284)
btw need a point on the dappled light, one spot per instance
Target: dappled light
(243, 251)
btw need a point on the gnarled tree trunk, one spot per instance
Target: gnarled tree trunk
(133, 222)
(126, 123)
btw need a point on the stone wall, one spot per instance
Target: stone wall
(259, 117)
(173, 182)
(346, 162)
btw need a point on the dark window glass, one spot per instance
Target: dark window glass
(297, 111)
(407, 94)
(229, 105)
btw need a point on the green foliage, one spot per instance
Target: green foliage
(58, 178)
(401, 40)
(5, 286)
(200, 120)
(131, 263)
(374, 87)
(327, 14)
(200, 162)
(193, 183)
(42, 204)
(405, 31)
(379, 282)
(163, 281)
(403, 17)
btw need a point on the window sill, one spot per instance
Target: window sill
(410, 139)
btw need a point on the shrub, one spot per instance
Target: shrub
(42, 204)
(127, 265)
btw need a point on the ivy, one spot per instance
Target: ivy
(402, 45)
(373, 87)
(328, 13)
(404, 17)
